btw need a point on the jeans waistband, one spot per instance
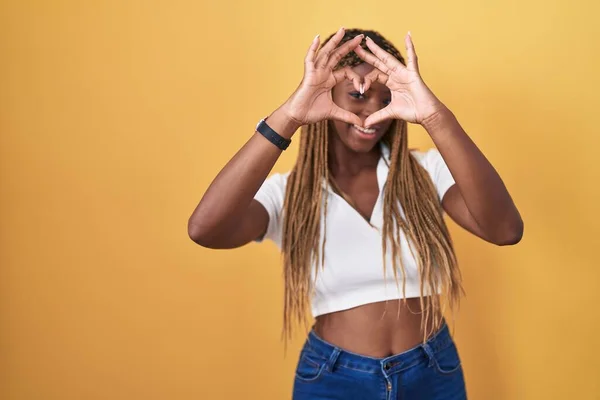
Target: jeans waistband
(336, 356)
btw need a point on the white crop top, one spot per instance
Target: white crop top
(353, 268)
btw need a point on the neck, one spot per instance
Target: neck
(345, 161)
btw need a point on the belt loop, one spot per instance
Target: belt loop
(332, 359)
(429, 353)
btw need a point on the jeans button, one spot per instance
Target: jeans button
(386, 367)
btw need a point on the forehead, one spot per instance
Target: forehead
(363, 69)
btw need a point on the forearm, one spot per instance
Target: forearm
(481, 187)
(232, 190)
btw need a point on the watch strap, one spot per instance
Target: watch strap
(264, 129)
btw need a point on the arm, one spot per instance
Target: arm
(479, 201)
(227, 216)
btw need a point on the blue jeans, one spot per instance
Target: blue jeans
(430, 371)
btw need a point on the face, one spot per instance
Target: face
(347, 97)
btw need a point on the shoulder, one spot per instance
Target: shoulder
(431, 160)
(273, 187)
(278, 179)
(427, 158)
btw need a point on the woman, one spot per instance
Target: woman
(360, 211)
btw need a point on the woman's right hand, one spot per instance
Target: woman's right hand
(312, 101)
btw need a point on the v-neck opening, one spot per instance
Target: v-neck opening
(381, 177)
(348, 202)
(367, 221)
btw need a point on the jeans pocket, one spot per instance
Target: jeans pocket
(447, 360)
(310, 367)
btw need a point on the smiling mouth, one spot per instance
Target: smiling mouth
(365, 131)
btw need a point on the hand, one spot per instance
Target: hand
(412, 101)
(312, 101)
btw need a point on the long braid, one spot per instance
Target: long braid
(302, 218)
(411, 207)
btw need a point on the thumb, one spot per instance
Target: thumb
(349, 74)
(379, 116)
(340, 114)
(375, 76)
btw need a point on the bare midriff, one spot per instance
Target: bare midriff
(375, 329)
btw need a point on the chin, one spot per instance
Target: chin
(360, 147)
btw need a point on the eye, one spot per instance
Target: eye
(359, 96)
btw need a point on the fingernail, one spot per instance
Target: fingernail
(409, 34)
(362, 89)
(368, 38)
(317, 36)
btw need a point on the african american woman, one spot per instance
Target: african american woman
(360, 220)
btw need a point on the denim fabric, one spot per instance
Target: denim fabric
(430, 371)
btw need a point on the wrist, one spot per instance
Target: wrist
(437, 118)
(283, 123)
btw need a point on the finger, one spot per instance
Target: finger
(377, 117)
(312, 50)
(411, 55)
(344, 49)
(349, 74)
(389, 60)
(323, 54)
(374, 76)
(371, 59)
(340, 114)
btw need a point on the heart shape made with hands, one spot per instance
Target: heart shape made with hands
(411, 101)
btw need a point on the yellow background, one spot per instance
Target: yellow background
(116, 115)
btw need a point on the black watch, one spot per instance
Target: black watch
(271, 135)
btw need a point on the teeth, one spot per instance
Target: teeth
(364, 130)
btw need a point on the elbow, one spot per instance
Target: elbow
(512, 235)
(199, 235)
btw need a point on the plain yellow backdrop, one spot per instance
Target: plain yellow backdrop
(116, 115)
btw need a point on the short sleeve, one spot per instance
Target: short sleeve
(271, 195)
(435, 165)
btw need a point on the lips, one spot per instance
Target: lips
(365, 130)
(365, 133)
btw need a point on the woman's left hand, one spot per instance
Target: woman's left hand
(412, 100)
